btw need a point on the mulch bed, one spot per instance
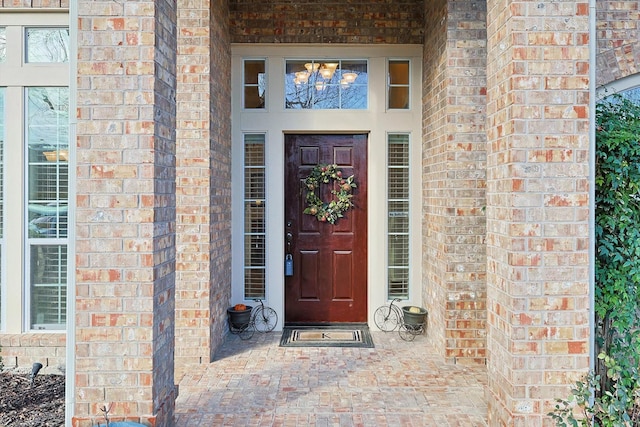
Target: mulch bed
(24, 405)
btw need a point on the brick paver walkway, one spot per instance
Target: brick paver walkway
(397, 383)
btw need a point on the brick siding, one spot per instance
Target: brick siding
(22, 350)
(125, 235)
(453, 160)
(537, 207)
(618, 35)
(220, 151)
(204, 190)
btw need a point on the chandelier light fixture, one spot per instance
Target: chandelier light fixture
(323, 73)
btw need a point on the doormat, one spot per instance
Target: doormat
(342, 335)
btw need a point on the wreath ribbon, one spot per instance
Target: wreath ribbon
(342, 187)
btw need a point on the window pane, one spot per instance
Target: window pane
(47, 45)
(326, 84)
(47, 122)
(48, 286)
(398, 216)
(632, 95)
(399, 72)
(398, 183)
(399, 97)
(254, 216)
(398, 210)
(255, 83)
(48, 169)
(3, 44)
(254, 279)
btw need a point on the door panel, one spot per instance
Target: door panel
(329, 282)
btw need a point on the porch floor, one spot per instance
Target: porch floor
(397, 383)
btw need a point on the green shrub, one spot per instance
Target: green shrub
(610, 395)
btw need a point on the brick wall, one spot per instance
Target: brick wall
(23, 350)
(164, 390)
(220, 184)
(203, 186)
(434, 96)
(454, 85)
(537, 207)
(310, 21)
(618, 39)
(125, 235)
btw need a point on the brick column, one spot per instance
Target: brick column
(618, 44)
(454, 86)
(203, 288)
(125, 236)
(537, 206)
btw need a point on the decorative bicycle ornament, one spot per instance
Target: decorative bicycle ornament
(332, 210)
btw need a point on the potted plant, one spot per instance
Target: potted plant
(414, 317)
(239, 317)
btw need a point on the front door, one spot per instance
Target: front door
(329, 281)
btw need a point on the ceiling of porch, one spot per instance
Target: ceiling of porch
(309, 21)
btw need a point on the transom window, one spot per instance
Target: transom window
(398, 84)
(326, 84)
(255, 83)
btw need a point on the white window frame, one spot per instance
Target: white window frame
(16, 75)
(244, 215)
(409, 233)
(245, 85)
(408, 86)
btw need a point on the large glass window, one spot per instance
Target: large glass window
(2, 137)
(254, 216)
(398, 219)
(34, 170)
(326, 84)
(47, 120)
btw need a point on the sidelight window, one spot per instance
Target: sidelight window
(398, 216)
(254, 216)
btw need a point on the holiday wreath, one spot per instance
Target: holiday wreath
(332, 210)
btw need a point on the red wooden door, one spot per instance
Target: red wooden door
(329, 282)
